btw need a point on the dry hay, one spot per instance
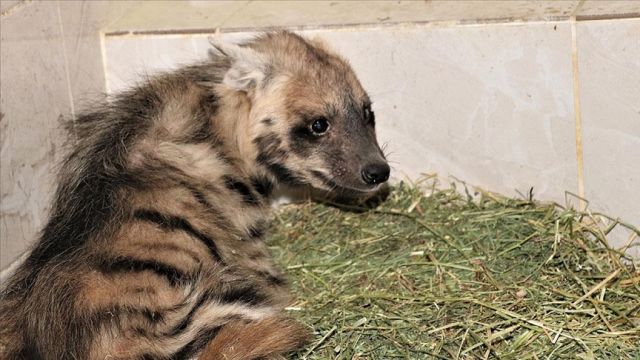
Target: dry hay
(435, 274)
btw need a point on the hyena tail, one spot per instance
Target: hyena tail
(261, 339)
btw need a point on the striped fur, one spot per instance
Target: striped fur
(154, 247)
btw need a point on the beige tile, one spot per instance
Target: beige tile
(317, 13)
(82, 22)
(609, 63)
(490, 105)
(8, 6)
(129, 59)
(189, 15)
(594, 9)
(81, 28)
(34, 98)
(169, 15)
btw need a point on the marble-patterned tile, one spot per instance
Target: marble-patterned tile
(131, 59)
(609, 63)
(8, 5)
(82, 22)
(321, 13)
(128, 60)
(595, 9)
(488, 104)
(173, 15)
(34, 100)
(156, 16)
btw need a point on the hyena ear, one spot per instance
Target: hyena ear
(248, 67)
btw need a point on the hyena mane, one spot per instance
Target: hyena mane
(154, 246)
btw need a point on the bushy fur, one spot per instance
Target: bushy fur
(154, 247)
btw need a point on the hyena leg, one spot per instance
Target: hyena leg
(265, 338)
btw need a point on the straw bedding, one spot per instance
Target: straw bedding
(434, 273)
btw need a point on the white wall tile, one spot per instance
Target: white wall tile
(609, 8)
(609, 63)
(190, 15)
(82, 22)
(34, 99)
(6, 5)
(490, 105)
(51, 65)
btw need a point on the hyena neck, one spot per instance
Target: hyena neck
(249, 144)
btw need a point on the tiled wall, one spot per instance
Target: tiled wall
(483, 93)
(609, 68)
(51, 64)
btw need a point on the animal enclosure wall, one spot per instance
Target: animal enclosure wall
(504, 95)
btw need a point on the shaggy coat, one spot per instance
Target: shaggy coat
(154, 247)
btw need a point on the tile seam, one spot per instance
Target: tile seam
(357, 26)
(338, 27)
(622, 16)
(105, 67)
(577, 114)
(66, 63)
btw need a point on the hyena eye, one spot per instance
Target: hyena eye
(369, 115)
(320, 126)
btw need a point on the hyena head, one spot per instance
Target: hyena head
(312, 122)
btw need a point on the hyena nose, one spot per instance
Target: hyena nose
(376, 173)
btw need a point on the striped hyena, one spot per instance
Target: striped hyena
(154, 247)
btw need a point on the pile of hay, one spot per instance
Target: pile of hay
(435, 274)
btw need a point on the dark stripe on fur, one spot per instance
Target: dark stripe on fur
(271, 155)
(302, 140)
(186, 321)
(93, 175)
(242, 189)
(200, 197)
(273, 279)
(152, 316)
(216, 216)
(127, 264)
(207, 106)
(246, 295)
(114, 313)
(169, 247)
(177, 223)
(285, 175)
(262, 185)
(27, 352)
(198, 344)
(256, 232)
(269, 150)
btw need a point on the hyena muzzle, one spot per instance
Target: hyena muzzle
(154, 247)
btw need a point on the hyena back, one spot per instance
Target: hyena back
(154, 247)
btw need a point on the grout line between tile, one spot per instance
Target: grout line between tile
(244, 6)
(66, 63)
(577, 114)
(335, 27)
(623, 16)
(103, 55)
(574, 13)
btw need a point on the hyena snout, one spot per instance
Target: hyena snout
(375, 173)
